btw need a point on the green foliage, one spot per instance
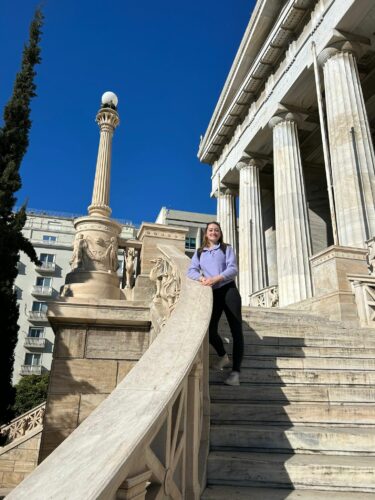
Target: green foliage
(30, 392)
(14, 140)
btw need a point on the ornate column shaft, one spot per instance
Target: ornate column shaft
(351, 147)
(107, 120)
(292, 225)
(94, 261)
(227, 216)
(252, 260)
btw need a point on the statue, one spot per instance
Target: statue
(157, 275)
(79, 251)
(274, 296)
(371, 257)
(129, 267)
(111, 255)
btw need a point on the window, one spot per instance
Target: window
(190, 243)
(48, 238)
(36, 332)
(47, 258)
(39, 307)
(44, 282)
(32, 359)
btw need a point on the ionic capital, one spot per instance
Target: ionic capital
(247, 161)
(285, 116)
(337, 48)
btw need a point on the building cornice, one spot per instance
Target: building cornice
(273, 25)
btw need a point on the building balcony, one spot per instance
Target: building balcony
(42, 291)
(52, 243)
(31, 370)
(46, 268)
(35, 343)
(37, 316)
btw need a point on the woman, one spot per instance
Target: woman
(214, 264)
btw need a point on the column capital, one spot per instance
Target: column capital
(107, 118)
(284, 116)
(339, 47)
(247, 161)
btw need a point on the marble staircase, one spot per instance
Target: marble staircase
(302, 423)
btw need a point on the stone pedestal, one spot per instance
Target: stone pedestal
(95, 260)
(152, 235)
(252, 261)
(333, 295)
(97, 342)
(351, 147)
(292, 224)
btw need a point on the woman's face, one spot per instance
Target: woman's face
(213, 233)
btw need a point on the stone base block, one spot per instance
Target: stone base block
(144, 288)
(93, 284)
(333, 296)
(337, 306)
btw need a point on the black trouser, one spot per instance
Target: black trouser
(228, 299)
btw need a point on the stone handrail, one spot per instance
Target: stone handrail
(149, 438)
(267, 297)
(25, 423)
(363, 287)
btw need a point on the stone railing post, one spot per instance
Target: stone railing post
(135, 487)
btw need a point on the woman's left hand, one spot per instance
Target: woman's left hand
(211, 281)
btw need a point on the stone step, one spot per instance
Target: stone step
(292, 393)
(249, 493)
(275, 315)
(294, 414)
(301, 439)
(306, 352)
(320, 472)
(290, 376)
(306, 341)
(301, 363)
(266, 330)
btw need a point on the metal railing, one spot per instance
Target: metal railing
(37, 315)
(46, 267)
(45, 291)
(35, 342)
(31, 370)
(157, 445)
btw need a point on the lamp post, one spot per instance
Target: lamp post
(94, 261)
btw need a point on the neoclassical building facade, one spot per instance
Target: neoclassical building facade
(292, 137)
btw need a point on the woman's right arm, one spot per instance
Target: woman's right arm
(194, 271)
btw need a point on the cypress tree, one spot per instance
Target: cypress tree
(14, 140)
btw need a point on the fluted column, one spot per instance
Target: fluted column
(293, 242)
(107, 120)
(251, 252)
(351, 147)
(227, 216)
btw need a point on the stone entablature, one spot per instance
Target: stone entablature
(275, 45)
(298, 58)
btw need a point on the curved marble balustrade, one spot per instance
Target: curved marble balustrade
(149, 438)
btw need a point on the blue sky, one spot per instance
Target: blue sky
(167, 62)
